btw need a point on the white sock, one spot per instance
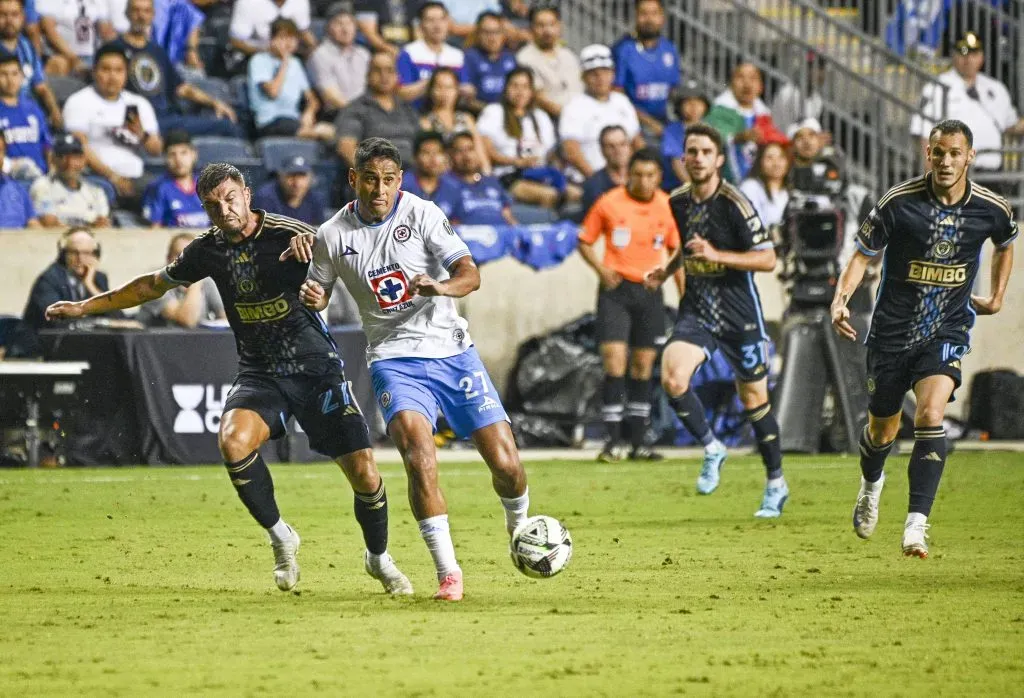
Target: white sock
(777, 482)
(515, 509)
(280, 532)
(438, 538)
(915, 518)
(377, 561)
(714, 446)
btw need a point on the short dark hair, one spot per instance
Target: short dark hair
(537, 9)
(109, 50)
(214, 174)
(429, 5)
(487, 14)
(458, 135)
(608, 129)
(177, 136)
(705, 130)
(7, 57)
(638, 3)
(646, 155)
(950, 126)
(283, 24)
(374, 148)
(424, 137)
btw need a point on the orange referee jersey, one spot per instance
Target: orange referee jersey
(637, 233)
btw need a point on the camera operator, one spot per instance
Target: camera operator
(816, 168)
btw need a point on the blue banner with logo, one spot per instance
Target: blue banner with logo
(538, 246)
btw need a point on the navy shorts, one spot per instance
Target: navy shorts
(892, 373)
(322, 404)
(746, 352)
(457, 385)
(630, 313)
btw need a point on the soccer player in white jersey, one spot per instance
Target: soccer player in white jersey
(403, 264)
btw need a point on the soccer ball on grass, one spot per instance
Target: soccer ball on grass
(541, 547)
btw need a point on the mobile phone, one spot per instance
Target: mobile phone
(131, 113)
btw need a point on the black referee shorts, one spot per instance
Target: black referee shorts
(322, 403)
(632, 314)
(892, 373)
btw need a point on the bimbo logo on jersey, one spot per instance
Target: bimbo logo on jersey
(931, 274)
(196, 415)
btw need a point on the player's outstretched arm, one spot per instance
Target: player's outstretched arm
(1002, 263)
(749, 260)
(848, 282)
(465, 278)
(136, 292)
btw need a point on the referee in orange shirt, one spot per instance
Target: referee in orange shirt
(639, 233)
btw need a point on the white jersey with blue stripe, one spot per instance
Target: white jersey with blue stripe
(377, 262)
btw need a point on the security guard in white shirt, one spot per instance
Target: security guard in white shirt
(982, 102)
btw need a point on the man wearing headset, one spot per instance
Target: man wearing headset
(73, 276)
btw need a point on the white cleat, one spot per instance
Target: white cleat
(286, 568)
(387, 573)
(915, 540)
(865, 512)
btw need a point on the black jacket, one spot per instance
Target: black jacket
(51, 286)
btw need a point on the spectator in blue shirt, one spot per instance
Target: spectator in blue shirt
(487, 63)
(689, 105)
(647, 66)
(13, 19)
(291, 195)
(429, 178)
(483, 200)
(152, 75)
(16, 210)
(278, 85)
(23, 124)
(171, 201)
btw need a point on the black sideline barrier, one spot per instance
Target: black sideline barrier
(156, 397)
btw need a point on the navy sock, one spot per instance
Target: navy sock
(372, 515)
(638, 409)
(691, 413)
(255, 488)
(766, 430)
(925, 470)
(872, 458)
(614, 394)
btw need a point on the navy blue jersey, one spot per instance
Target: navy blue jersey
(724, 300)
(275, 334)
(931, 256)
(486, 75)
(166, 203)
(481, 202)
(647, 76)
(151, 74)
(310, 210)
(447, 195)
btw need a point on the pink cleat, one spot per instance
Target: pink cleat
(451, 587)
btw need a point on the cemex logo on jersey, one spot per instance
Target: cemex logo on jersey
(190, 398)
(391, 287)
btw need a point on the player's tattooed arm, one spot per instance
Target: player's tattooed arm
(1002, 263)
(465, 278)
(848, 282)
(136, 292)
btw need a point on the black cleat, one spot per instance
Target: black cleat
(645, 453)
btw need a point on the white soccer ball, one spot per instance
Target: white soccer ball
(541, 547)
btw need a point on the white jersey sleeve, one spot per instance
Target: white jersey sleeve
(321, 269)
(440, 238)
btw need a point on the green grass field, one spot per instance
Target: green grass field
(155, 582)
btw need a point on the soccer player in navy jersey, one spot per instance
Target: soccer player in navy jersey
(930, 231)
(288, 365)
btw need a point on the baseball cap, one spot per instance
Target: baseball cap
(596, 56)
(691, 90)
(968, 43)
(811, 124)
(296, 164)
(68, 144)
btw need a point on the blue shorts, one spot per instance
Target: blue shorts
(457, 385)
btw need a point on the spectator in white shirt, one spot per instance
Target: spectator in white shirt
(249, 32)
(113, 124)
(418, 59)
(72, 29)
(766, 185)
(520, 141)
(586, 115)
(556, 70)
(63, 197)
(338, 66)
(981, 102)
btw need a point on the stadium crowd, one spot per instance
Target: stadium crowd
(108, 109)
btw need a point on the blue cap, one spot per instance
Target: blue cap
(297, 164)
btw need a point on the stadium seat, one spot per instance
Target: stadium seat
(318, 25)
(240, 93)
(64, 87)
(127, 219)
(528, 215)
(8, 323)
(221, 149)
(105, 185)
(216, 88)
(275, 150)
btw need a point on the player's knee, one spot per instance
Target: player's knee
(883, 431)
(928, 415)
(675, 383)
(236, 440)
(421, 464)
